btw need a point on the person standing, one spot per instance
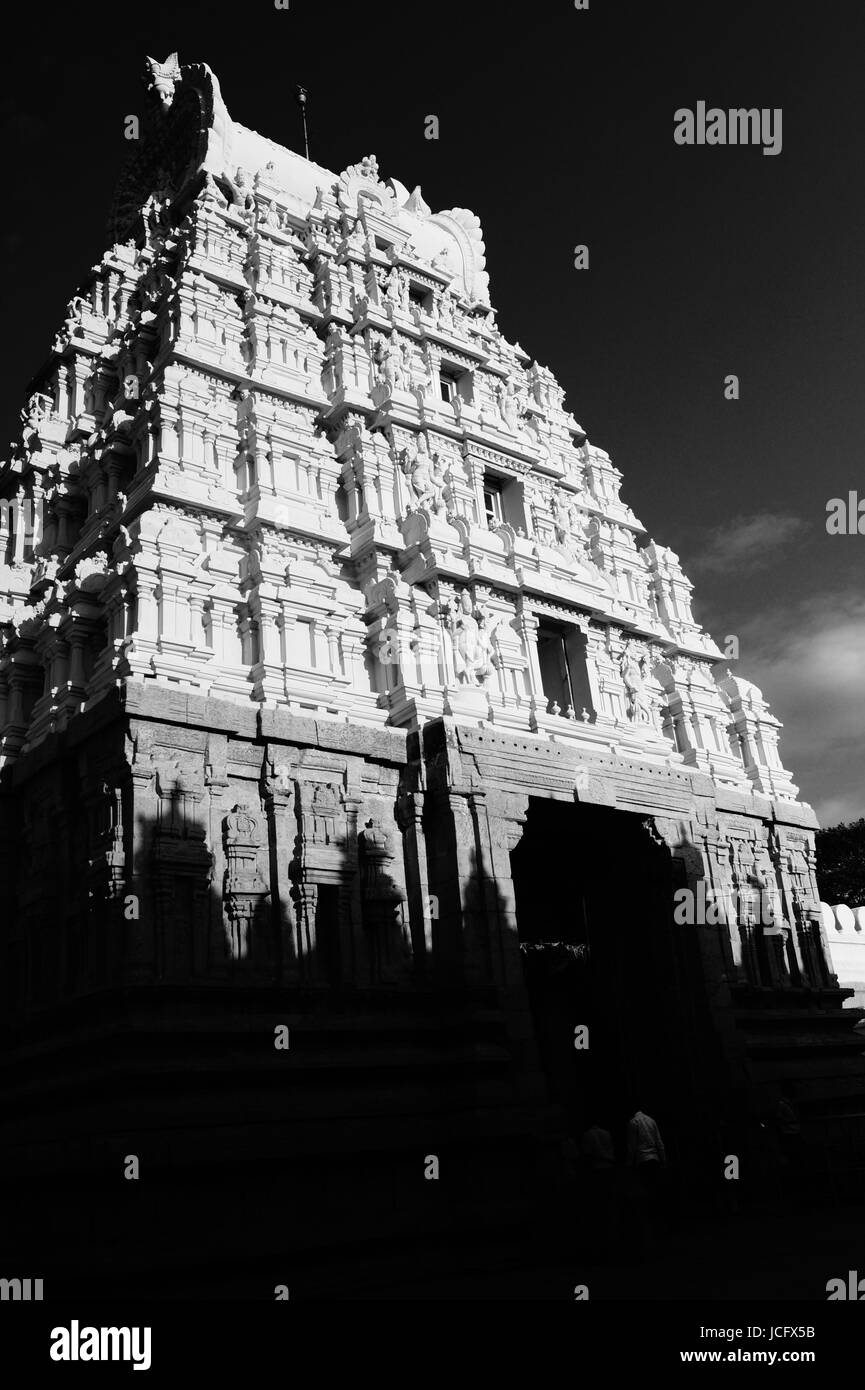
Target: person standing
(646, 1154)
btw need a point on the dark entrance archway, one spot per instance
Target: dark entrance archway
(594, 900)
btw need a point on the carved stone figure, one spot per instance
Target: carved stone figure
(160, 79)
(509, 404)
(357, 236)
(471, 634)
(388, 361)
(635, 673)
(74, 311)
(569, 527)
(446, 314)
(392, 286)
(427, 476)
(244, 196)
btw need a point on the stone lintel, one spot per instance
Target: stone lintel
(381, 745)
(795, 813)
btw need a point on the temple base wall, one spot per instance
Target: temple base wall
(290, 952)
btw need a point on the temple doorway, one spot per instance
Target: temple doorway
(594, 901)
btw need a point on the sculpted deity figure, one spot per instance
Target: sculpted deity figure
(333, 355)
(509, 404)
(407, 355)
(445, 306)
(211, 192)
(244, 196)
(418, 473)
(396, 357)
(74, 311)
(570, 531)
(438, 483)
(357, 235)
(540, 386)
(389, 364)
(36, 410)
(427, 477)
(487, 624)
(392, 291)
(561, 519)
(651, 594)
(465, 633)
(471, 637)
(635, 673)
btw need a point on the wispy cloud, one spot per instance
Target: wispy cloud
(809, 661)
(745, 543)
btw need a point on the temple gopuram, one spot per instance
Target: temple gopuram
(357, 746)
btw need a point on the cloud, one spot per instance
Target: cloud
(809, 661)
(746, 543)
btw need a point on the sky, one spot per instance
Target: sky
(556, 126)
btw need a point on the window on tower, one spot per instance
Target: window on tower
(564, 674)
(493, 501)
(420, 297)
(453, 382)
(503, 501)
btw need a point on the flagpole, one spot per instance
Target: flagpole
(301, 101)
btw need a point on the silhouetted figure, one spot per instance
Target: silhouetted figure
(647, 1158)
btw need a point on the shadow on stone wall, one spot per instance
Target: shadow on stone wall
(213, 1086)
(211, 1090)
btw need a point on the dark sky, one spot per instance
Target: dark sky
(556, 128)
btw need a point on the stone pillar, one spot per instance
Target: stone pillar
(282, 828)
(422, 905)
(305, 900)
(139, 956)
